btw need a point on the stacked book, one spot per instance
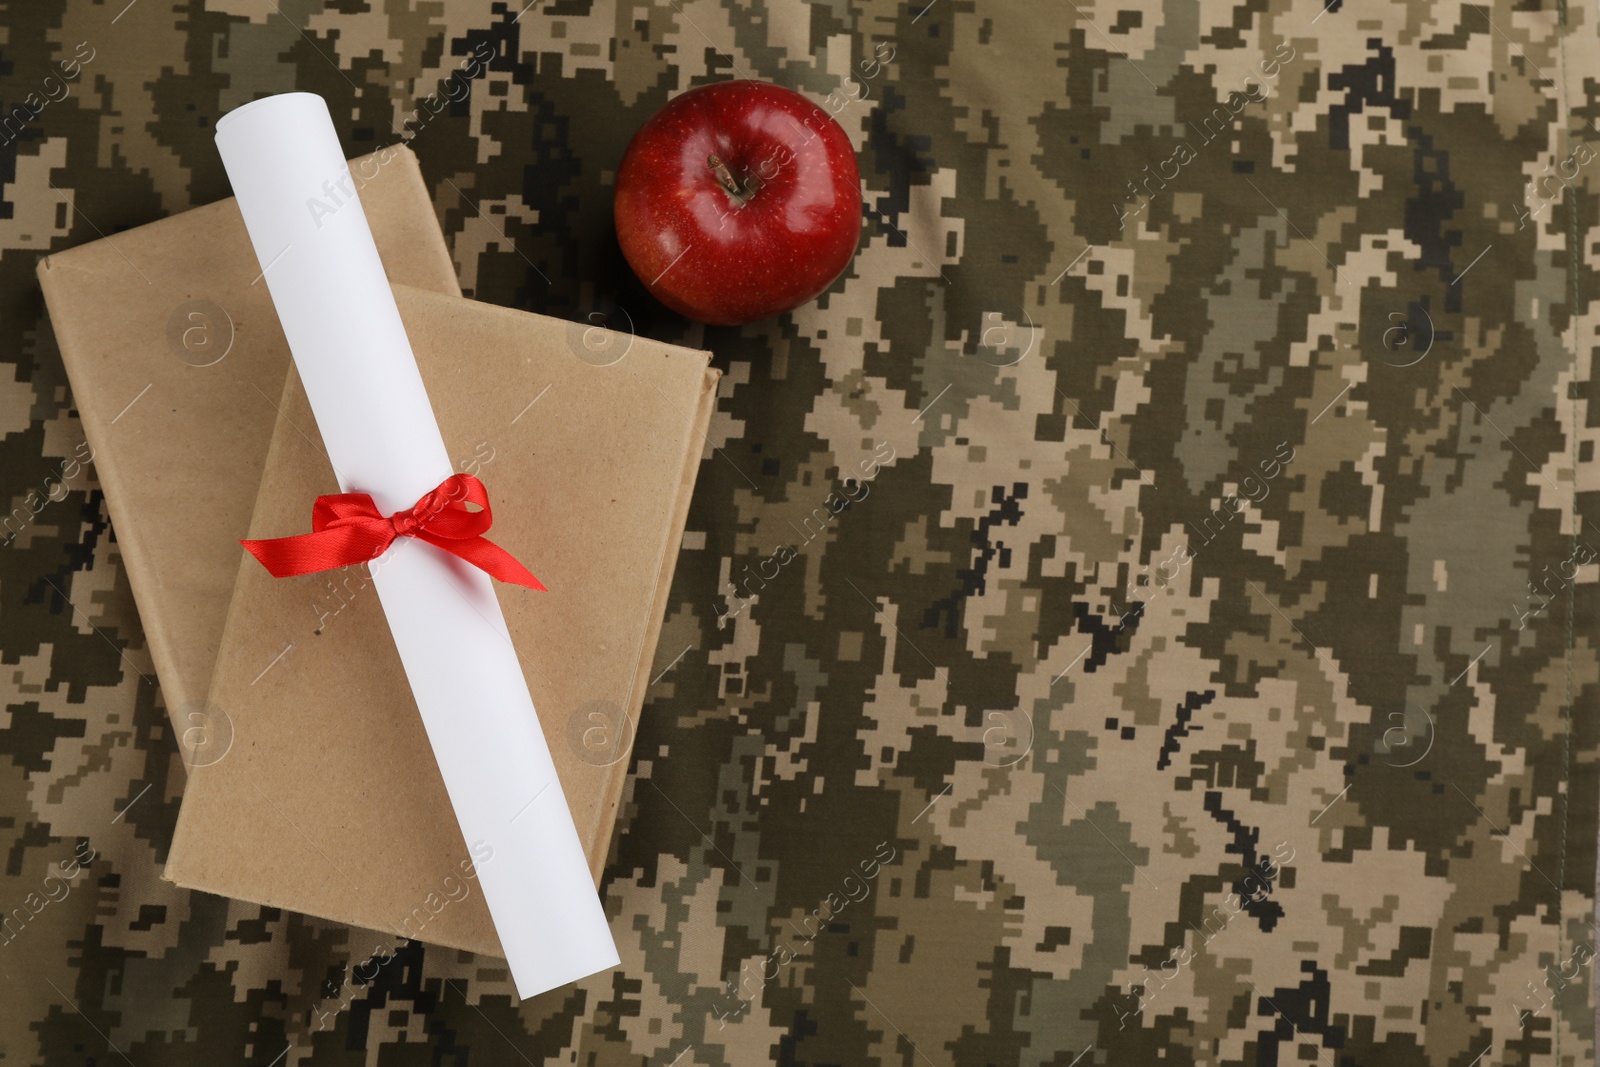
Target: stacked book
(311, 784)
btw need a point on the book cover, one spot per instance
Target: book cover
(329, 801)
(177, 365)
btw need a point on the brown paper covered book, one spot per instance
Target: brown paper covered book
(177, 365)
(329, 801)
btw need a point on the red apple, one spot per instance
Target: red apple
(737, 201)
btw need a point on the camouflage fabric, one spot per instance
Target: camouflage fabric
(1143, 611)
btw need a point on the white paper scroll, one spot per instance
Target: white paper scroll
(327, 283)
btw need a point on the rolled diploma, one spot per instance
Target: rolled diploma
(320, 264)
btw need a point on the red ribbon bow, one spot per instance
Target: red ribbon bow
(348, 528)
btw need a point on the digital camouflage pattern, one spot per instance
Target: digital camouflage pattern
(1200, 665)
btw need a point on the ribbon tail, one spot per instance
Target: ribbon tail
(489, 558)
(322, 550)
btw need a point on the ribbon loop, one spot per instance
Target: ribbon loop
(348, 528)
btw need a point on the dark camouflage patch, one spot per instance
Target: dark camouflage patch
(1206, 670)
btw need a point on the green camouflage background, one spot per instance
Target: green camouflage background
(1205, 672)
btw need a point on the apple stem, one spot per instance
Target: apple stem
(726, 179)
